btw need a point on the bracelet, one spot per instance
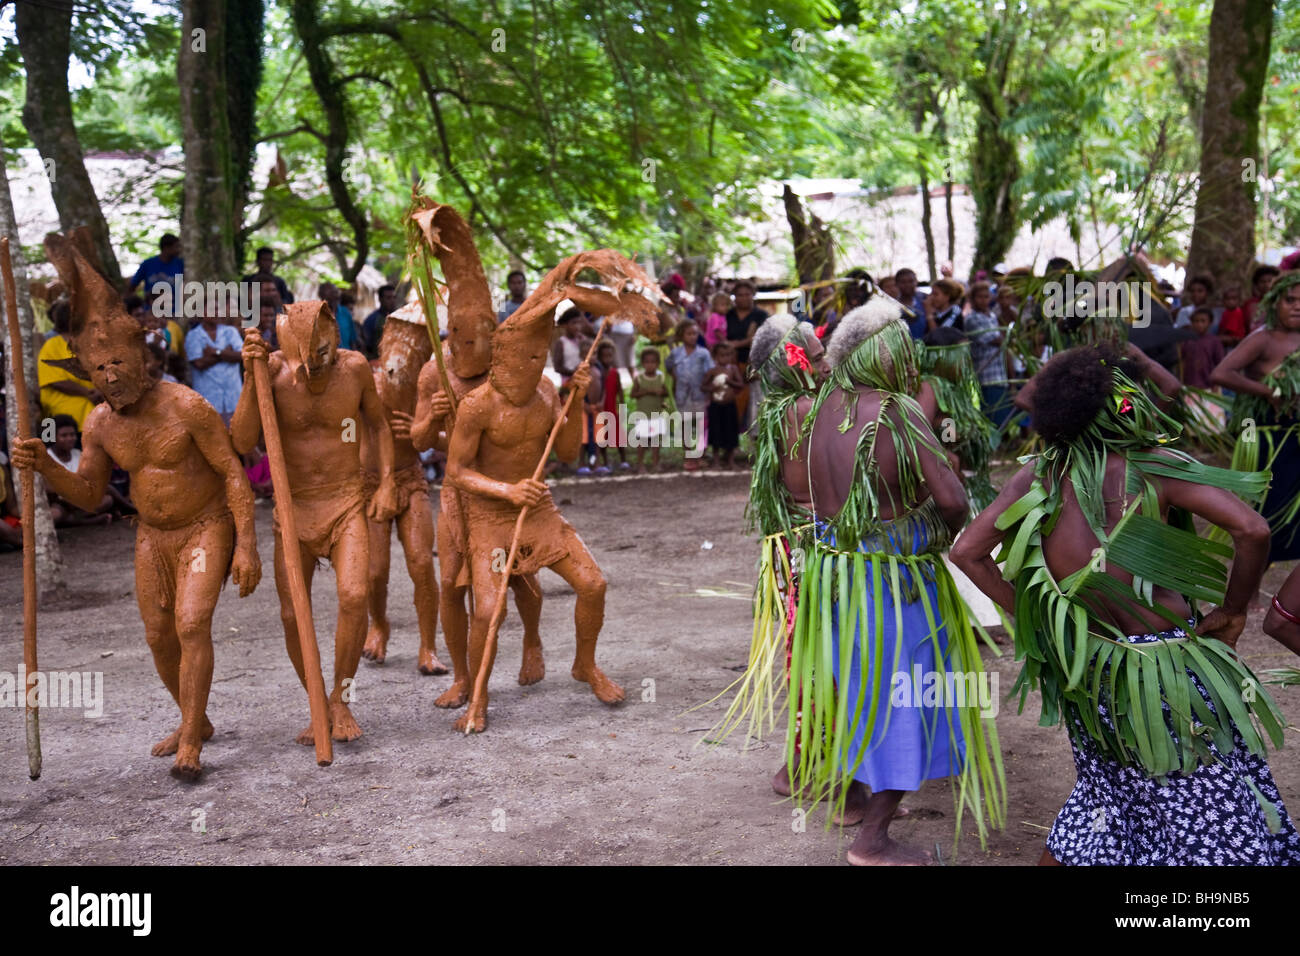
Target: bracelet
(1277, 606)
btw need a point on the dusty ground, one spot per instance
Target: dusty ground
(563, 778)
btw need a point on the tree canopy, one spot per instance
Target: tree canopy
(649, 125)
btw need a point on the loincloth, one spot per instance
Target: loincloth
(451, 520)
(322, 514)
(409, 482)
(544, 539)
(170, 549)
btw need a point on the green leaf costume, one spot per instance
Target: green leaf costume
(896, 562)
(1076, 658)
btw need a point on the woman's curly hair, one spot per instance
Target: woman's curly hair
(1074, 387)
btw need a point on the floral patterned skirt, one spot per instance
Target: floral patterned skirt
(1215, 816)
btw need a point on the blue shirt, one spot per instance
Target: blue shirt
(153, 270)
(220, 384)
(347, 332)
(689, 372)
(918, 326)
(986, 354)
(372, 330)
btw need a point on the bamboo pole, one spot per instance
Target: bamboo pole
(28, 479)
(435, 330)
(316, 698)
(499, 612)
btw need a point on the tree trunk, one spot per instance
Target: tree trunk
(49, 560)
(994, 159)
(329, 90)
(925, 220)
(918, 123)
(995, 168)
(244, 24)
(207, 234)
(941, 131)
(45, 39)
(814, 249)
(1223, 232)
(952, 228)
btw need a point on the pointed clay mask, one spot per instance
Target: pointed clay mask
(107, 342)
(309, 339)
(518, 360)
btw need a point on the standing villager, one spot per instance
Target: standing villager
(467, 355)
(1264, 371)
(886, 504)
(403, 351)
(322, 395)
(1102, 568)
(792, 364)
(503, 434)
(195, 506)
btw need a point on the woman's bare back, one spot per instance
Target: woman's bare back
(1072, 545)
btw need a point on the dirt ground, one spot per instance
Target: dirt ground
(558, 777)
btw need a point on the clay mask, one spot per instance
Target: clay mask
(518, 359)
(403, 350)
(309, 339)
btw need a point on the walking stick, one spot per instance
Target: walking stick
(316, 699)
(499, 613)
(28, 479)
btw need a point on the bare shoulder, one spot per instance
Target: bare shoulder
(97, 421)
(546, 388)
(353, 363)
(189, 405)
(354, 367)
(430, 381)
(478, 404)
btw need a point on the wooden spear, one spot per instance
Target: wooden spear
(316, 699)
(28, 479)
(499, 613)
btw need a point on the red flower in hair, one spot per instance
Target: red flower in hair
(821, 331)
(796, 357)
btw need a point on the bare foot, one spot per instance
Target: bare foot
(473, 720)
(376, 646)
(168, 745)
(429, 665)
(187, 765)
(533, 667)
(454, 696)
(343, 726)
(874, 849)
(307, 737)
(781, 781)
(855, 806)
(606, 691)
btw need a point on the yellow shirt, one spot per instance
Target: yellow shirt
(177, 335)
(54, 402)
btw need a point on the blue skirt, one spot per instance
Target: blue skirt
(917, 735)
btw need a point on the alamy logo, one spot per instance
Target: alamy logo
(178, 297)
(922, 688)
(1085, 298)
(650, 430)
(75, 909)
(77, 690)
